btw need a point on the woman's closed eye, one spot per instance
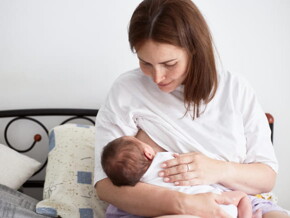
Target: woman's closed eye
(170, 65)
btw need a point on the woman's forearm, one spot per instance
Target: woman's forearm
(136, 200)
(250, 178)
(195, 168)
(149, 200)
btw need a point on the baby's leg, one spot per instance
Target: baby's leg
(241, 200)
(245, 208)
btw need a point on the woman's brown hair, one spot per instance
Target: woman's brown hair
(180, 23)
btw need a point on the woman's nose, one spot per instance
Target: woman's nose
(158, 75)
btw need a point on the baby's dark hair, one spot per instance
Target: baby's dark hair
(124, 162)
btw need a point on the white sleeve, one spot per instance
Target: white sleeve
(257, 131)
(113, 121)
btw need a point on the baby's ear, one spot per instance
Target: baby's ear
(149, 154)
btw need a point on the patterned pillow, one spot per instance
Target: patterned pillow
(68, 188)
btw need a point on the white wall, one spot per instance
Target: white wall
(62, 53)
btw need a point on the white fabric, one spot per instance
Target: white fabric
(233, 126)
(151, 177)
(15, 168)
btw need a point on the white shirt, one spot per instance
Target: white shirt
(151, 177)
(233, 126)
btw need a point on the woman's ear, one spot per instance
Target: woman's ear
(149, 153)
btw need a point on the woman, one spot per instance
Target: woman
(185, 105)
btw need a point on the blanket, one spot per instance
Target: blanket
(14, 204)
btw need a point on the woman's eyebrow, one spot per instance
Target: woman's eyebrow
(163, 62)
(142, 60)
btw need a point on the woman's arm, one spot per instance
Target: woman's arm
(149, 200)
(251, 178)
(139, 200)
(195, 168)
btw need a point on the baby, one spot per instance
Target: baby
(127, 160)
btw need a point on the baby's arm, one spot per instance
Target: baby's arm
(241, 200)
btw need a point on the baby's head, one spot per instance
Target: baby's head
(126, 159)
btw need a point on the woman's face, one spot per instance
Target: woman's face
(166, 64)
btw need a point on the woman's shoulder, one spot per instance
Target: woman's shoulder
(234, 86)
(131, 77)
(233, 79)
(131, 83)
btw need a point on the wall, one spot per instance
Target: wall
(62, 53)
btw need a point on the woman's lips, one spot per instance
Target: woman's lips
(163, 84)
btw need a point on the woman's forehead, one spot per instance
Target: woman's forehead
(156, 52)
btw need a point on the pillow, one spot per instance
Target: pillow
(68, 189)
(15, 168)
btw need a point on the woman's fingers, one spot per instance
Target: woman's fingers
(192, 168)
(188, 182)
(179, 160)
(182, 173)
(179, 169)
(181, 176)
(187, 178)
(179, 166)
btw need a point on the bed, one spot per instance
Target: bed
(56, 144)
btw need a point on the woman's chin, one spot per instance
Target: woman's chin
(166, 89)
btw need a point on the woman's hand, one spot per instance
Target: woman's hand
(192, 169)
(206, 205)
(197, 169)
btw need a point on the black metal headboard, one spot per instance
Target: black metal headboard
(34, 115)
